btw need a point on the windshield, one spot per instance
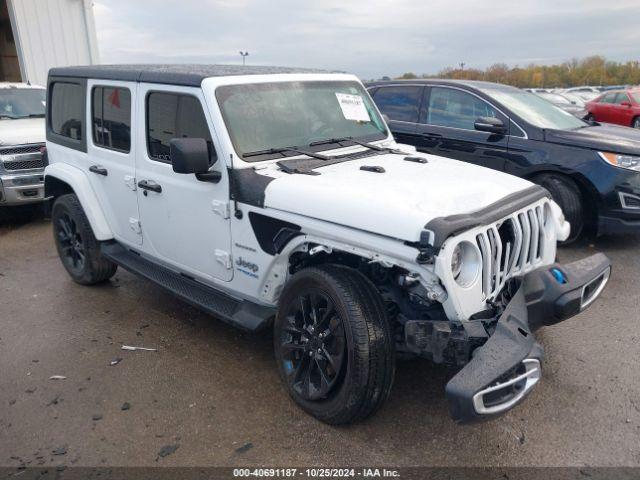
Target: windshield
(263, 116)
(22, 102)
(636, 96)
(534, 109)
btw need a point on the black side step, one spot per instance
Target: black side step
(240, 313)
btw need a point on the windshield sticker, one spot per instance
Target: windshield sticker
(353, 108)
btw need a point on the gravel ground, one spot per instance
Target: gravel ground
(210, 395)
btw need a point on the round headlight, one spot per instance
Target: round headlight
(465, 264)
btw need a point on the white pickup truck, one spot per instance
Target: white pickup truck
(22, 139)
(277, 198)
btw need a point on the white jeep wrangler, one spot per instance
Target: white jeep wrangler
(277, 198)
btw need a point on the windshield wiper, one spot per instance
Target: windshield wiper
(274, 151)
(353, 140)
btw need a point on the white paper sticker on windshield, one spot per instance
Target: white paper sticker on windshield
(353, 107)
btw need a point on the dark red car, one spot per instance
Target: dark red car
(621, 107)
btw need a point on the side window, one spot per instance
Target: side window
(173, 115)
(399, 103)
(111, 118)
(608, 98)
(449, 107)
(67, 110)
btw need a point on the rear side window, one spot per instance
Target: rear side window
(172, 115)
(399, 103)
(111, 118)
(67, 110)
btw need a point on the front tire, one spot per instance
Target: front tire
(77, 247)
(567, 195)
(333, 344)
(636, 122)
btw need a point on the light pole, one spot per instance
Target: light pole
(244, 55)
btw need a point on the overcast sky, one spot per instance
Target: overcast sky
(370, 38)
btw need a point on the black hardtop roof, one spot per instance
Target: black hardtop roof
(173, 74)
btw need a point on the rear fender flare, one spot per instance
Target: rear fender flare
(79, 183)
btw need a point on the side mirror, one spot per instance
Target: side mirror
(626, 103)
(189, 155)
(490, 125)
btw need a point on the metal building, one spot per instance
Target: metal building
(36, 35)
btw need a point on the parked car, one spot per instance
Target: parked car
(274, 195)
(585, 93)
(591, 170)
(573, 105)
(621, 107)
(22, 137)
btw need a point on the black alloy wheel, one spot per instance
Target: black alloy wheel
(71, 243)
(313, 345)
(333, 344)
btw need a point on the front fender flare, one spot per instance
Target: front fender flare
(78, 181)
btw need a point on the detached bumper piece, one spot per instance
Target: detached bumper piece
(507, 367)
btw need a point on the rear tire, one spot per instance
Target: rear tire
(589, 118)
(342, 304)
(77, 247)
(636, 122)
(567, 195)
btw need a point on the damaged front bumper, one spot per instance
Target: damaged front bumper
(505, 369)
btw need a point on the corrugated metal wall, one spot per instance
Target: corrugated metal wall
(52, 33)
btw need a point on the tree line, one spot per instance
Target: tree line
(594, 70)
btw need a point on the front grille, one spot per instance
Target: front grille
(18, 149)
(22, 157)
(25, 165)
(511, 247)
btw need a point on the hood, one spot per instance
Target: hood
(397, 203)
(20, 131)
(611, 138)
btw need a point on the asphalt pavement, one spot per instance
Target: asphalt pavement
(210, 395)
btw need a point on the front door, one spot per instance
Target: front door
(111, 154)
(446, 128)
(184, 220)
(622, 113)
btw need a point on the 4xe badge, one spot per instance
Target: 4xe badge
(246, 267)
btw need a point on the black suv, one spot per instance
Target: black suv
(591, 170)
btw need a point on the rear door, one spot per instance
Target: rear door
(185, 221)
(401, 105)
(111, 155)
(446, 127)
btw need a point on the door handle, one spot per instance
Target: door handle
(99, 170)
(149, 185)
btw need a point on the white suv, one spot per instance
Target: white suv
(277, 198)
(22, 136)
